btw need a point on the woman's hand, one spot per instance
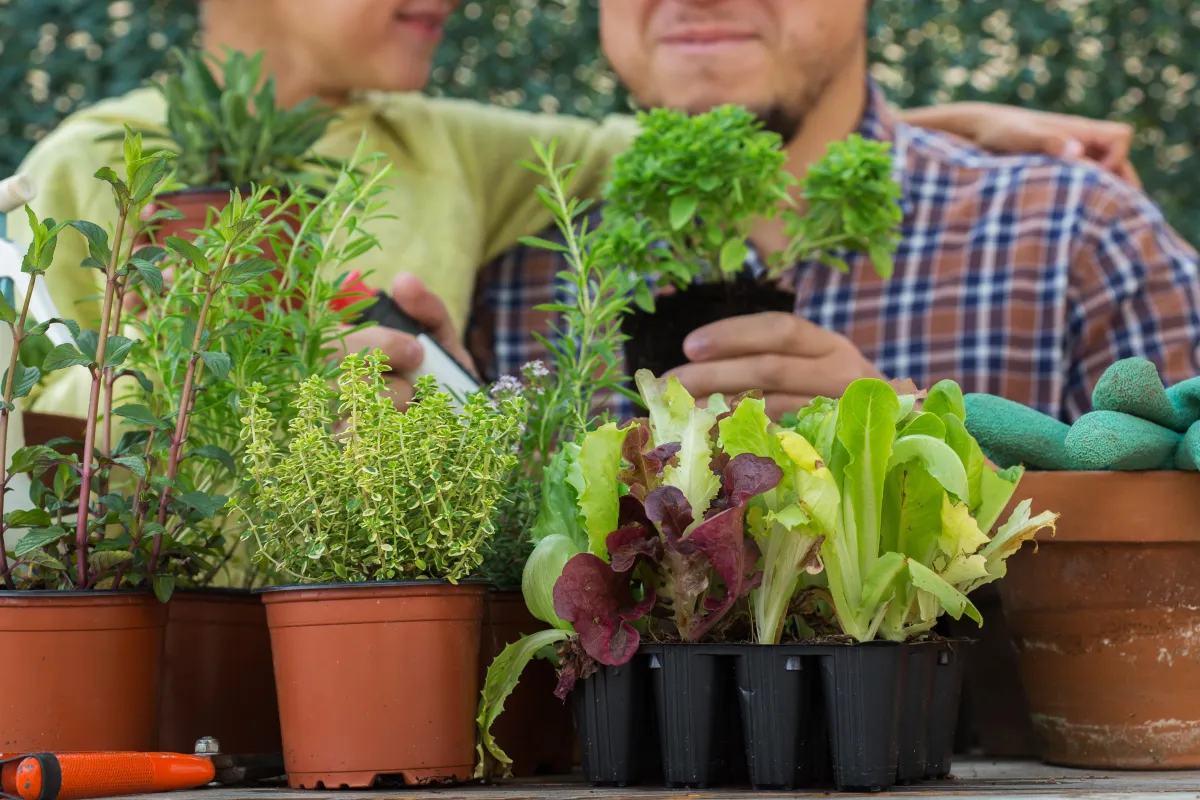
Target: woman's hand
(1007, 129)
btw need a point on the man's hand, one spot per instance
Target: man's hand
(1006, 129)
(789, 358)
(402, 350)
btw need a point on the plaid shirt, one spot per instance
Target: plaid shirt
(1018, 276)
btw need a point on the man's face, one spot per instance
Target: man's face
(776, 57)
(385, 45)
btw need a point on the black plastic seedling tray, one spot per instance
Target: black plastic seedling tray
(857, 717)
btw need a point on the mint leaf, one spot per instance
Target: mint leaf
(219, 363)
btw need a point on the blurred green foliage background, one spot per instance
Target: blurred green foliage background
(1135, 60)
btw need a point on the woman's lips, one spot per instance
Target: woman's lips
(427, 25)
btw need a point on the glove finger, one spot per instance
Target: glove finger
(1185, 396)
(1011, 434)
(1132, 386)
(1105, 440)
(1188, 455)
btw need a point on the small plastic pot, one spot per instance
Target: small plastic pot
(82, 670)
(376, 680)
(776, 685)
(695, 694)
(863, 685)
(943, 717)
(217, 674)
(915, 714)
(618, 745)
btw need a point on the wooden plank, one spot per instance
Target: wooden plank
(1026, 780)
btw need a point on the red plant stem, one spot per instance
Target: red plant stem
(185, 402)
(18, 337)
(89, 441)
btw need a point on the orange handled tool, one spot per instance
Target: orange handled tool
(73, 776)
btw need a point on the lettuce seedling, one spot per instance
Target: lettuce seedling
(917, 497)
(651, 519)
(678, 542)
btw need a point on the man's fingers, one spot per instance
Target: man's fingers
(427, 308)
(402, 391)
(780, 404)
(772, 373)
(403, 351)
(770, 332)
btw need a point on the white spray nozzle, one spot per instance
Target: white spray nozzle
(16, 192)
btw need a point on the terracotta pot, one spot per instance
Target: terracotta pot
(1106, 619)
(194, 204)
(81, 670)
(197, 206)
(376, 679)
(217, 674)
(994, 716)
(41, 428)
(536, 730)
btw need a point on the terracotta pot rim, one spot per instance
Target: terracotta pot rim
(1108, 472)
(303, 587)
(62, 593)
(192, 191)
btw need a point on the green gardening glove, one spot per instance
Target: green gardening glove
(1132, 386)
(1011, 434)
(1103, 440)
(1137, 425)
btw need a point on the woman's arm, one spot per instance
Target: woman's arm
(1007, 129)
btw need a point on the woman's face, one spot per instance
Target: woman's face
(348, 45)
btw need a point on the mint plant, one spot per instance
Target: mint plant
(126, 499)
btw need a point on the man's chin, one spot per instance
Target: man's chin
(698, 99)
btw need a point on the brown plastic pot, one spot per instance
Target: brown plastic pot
(81, 670)
(1106, 619)
(376, 680)
(536, 730)
(217, 675)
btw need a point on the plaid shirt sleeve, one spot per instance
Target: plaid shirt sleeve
(1134, 292)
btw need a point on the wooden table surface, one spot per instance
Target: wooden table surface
(1025, 780)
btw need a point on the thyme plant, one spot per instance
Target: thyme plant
(382, 494)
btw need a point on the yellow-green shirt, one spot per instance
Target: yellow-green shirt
(457, 193)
